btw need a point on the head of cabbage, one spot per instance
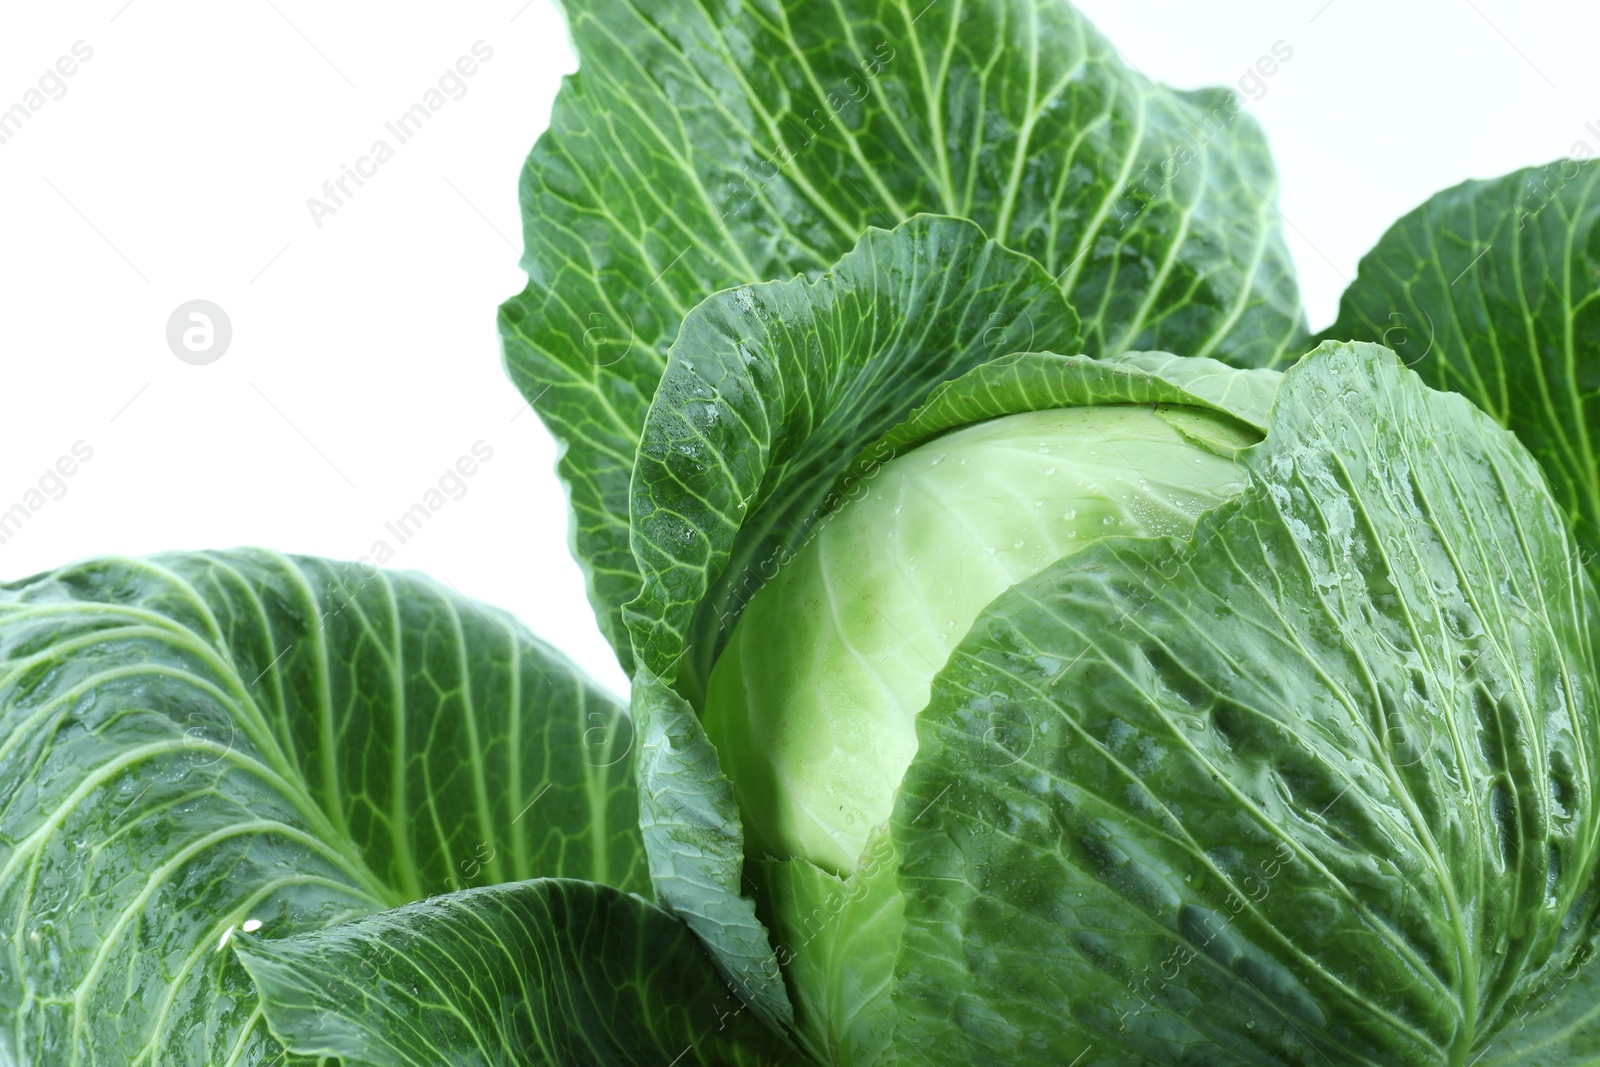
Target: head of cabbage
(1147, 727)
(813, 704)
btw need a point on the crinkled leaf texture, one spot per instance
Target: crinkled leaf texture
(197, 745)
(545, 972)
(1315, 786)
(703, 146)
(1489, 289)
(1492, 289)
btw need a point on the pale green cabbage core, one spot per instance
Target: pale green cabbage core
(812, 706)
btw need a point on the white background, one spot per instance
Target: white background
(365, 359)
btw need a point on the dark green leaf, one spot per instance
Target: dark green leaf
(194, 743)
(704, 146)
(1492, 289)
(1557, 1027)
(773, 390)
(1318, 786)
(548, 972)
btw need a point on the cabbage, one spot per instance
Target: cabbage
(1043, 650)
(812, 706)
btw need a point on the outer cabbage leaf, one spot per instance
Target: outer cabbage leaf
(772, 391)
(1489, 289)
(545, 972)
(702, 146)
(193, 743)
(1492, 289)
(695, 840)
(1317, 785)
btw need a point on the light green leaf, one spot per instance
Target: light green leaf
(837, 939)
(1039, 381)
(703, 146)
(531, 973)
(193, 743)
(1492, 289)
(1316, 786)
